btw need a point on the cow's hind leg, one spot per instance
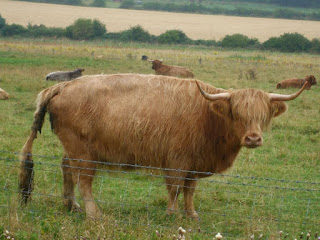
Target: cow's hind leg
(188, 190)
(68, 186)
(80, 164)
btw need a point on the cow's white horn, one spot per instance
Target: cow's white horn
(281, 97)
(212, 97)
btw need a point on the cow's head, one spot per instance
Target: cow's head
(249, 111)
(311, 79)
(79, 70)
(156, 64)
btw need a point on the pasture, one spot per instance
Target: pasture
(270, 189)
(195, 26)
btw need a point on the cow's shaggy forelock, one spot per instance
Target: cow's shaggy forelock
(251, 106)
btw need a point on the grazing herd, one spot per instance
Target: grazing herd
(149, 120)
(165, 70)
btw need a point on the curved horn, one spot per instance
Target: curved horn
(212, 97)
(281, 97)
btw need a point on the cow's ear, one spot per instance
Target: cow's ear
(277, 108)
(221, 107)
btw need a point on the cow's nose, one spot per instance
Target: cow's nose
(253, 141)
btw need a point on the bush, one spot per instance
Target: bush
(272, 43)
(84, 29)
(136, 33)
(2, 22)
(288, 42)
(238, 41)
(43, 31)
(13, 30)
(208, 43)
(173, 37)
(315, 45)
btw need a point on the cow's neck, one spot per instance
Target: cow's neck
(225, 146)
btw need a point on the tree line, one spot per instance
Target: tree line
(88, 29)
(287, 9)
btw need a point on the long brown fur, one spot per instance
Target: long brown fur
(297, 82)
(147, 120)
(168, 70)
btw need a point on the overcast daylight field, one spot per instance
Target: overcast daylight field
(270, 189)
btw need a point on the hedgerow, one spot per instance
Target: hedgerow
(87, 29)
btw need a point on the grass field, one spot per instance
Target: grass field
(195, 26)
(270, 189)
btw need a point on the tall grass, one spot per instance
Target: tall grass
(273, 191)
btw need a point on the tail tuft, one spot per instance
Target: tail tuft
(26, 177)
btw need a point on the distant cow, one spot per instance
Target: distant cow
(144, 57)
(65, 75)
(3, 94)
(147, 120)
(167, 70)
(297, 82)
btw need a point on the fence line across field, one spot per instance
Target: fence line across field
(130, 172)
(152, 168)
(277, 198)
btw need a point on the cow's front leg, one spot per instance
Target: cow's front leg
(188, 190)
(174, 186)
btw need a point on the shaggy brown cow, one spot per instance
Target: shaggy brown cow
(167, 70)
(3, 94)
(297, 82)
(149, 120)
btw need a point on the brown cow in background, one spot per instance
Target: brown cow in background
(3, 94)
(167, 70)
(297, 82)
(149, 120)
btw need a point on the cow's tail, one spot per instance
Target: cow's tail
(26, 169)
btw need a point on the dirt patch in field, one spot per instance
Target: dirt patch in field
(196, 26)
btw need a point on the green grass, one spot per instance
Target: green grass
(134, 205)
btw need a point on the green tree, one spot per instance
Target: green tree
(2, 22)
(173, 37)
(238, 41)
(136, 33)
(14, 30)
(83, 29)
(315, 45)
(288, 42)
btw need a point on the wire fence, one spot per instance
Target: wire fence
(234, 205)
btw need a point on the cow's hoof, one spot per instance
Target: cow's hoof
(193, 214)
(171, 211)
(77, 209)
(94, 216)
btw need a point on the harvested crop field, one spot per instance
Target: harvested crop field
(196, 26)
